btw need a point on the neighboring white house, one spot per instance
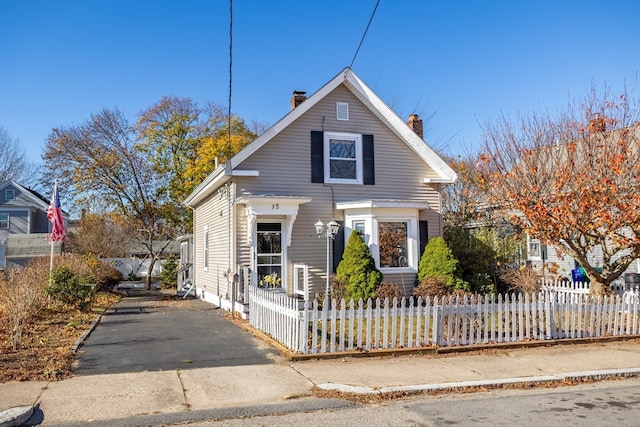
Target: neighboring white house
(341, 154)
(545, 256)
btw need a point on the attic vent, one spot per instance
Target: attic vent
(342, 111)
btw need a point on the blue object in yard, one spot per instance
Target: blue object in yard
(579, 276)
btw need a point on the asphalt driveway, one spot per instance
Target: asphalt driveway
(153, 332)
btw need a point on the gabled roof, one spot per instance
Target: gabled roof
(37, 198)
(352, 82)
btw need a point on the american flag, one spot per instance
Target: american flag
(55, 216)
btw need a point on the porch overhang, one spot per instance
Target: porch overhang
(267, 204)
(383, 203)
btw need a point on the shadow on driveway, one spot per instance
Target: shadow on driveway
(153, 332)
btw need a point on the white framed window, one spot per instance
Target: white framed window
(9, 194)
(344, 154)
(269, 254)
(4, 221)
(393, 237)
(360, 227)
(393, 244)
(205, 248)
(533, 248)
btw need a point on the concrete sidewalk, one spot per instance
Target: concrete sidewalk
(166, 397)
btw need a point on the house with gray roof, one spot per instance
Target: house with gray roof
(24, 226)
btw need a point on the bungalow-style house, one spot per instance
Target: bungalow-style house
(339, 155)
(24, 226)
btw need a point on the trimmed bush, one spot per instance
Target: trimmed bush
(66, 287)
(438, 261)
(169, 274)
(358, 269)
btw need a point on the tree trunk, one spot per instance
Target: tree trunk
(152, 262)
(598, 289)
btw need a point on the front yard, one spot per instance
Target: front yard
(47, 340)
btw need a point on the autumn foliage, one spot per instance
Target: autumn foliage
(571, 179)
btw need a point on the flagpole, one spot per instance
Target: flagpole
(54, 214)
(55, 190)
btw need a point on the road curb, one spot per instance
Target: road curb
(86, 333)
(16, 416)
(495, 383)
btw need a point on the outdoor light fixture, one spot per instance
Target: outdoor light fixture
(329, 232)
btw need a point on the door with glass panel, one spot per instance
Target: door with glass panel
(269, 254)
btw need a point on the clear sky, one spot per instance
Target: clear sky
(461, 61)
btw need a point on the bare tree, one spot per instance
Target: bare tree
(102, 235)
(14, 164)
(102, 169)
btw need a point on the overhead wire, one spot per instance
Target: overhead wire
(365, 33)
(229, 145)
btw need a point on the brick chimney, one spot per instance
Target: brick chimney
(415, 123)
(597, 124)
(298, 98)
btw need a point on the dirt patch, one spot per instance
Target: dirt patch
(46, 352)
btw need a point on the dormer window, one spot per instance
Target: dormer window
(9, 194)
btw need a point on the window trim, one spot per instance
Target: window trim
(357, 138)
(371, 221)
(283, 247)
(9, 191)
(8, 221)
(531, 241)
(205, 247)
(407, 241)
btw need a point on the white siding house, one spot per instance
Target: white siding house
(342, 155)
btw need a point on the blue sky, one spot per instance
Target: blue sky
(461, 61)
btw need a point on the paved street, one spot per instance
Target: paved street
(611, 403)
(149, 333)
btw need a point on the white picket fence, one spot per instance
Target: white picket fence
(137, 266)
(452, 321)
(570, 290)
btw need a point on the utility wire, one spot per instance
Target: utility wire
(229, 145)
(364, 34)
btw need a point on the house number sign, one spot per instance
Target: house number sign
(275, 206)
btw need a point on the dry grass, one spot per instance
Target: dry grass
(47, 340)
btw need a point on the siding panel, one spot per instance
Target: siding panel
(284, 169)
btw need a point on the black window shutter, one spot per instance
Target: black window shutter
(424, 236)
(317, 156)
(338, 246)
(368, 168)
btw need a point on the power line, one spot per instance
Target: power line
(230, 76)
(364, 34)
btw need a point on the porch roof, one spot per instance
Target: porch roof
(271, 204)
(382, 203)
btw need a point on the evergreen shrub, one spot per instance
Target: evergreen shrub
(358, 269)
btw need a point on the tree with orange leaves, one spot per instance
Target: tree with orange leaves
(572, 179)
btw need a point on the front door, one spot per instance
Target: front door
(269, 254)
